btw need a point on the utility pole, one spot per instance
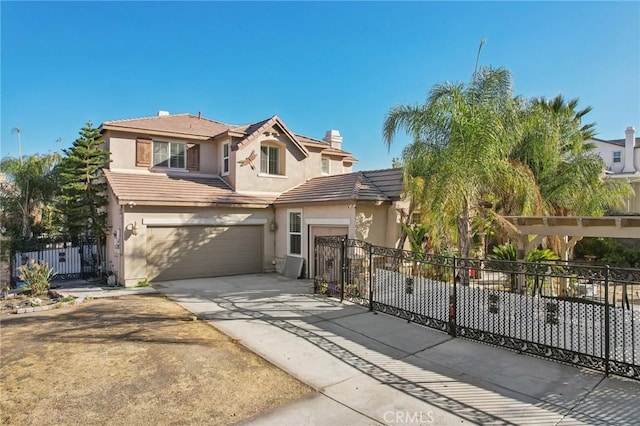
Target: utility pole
(19, 132)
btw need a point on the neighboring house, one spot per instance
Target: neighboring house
(622, 161)
(191, 197)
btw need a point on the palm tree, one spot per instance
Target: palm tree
(462, 137)
(568, 172)
(30, 184)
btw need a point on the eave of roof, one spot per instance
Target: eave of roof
(189, 126)
(179, 125)
(349, 187)
(254, 130)
(178, 190)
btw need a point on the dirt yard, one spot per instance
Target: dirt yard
(131, 360)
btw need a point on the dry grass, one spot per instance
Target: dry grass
(131, 360)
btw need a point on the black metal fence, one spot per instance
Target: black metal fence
(586, 315)
(80, 257)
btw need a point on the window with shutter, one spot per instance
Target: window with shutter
(143, 152)
(170, 155)
(193, 156)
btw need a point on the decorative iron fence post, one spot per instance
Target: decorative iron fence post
(453, 300)
(607, 324)
(316, 249)
(343, 265)
(370, 277)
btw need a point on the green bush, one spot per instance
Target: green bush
(610, 251)
(37, 275)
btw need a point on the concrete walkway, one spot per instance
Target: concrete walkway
(376, 369)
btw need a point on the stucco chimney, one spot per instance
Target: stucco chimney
(334, 139)
(629, 145)
(162, 113)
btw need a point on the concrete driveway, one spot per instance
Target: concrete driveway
(376, 369)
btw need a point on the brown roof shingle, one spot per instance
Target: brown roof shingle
(186, 124)
(358, 186)
(389, 181)
(200, 127)
(161, 189)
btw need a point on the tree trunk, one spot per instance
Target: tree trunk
(405, 219)
(464, 242)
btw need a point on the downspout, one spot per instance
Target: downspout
(274, 262)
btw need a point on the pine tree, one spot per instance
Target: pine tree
(83, 186)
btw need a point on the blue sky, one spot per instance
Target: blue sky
(318, 65)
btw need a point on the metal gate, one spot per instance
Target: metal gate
(586, 315)
(70, 258)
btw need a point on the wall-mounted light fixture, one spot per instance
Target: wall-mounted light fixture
(134, 228)
(273, 226)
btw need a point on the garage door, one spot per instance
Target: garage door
(203, 251)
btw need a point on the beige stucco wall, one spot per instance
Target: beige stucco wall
(298, 168)
(251, 180)
(375, 224)
(123, 151)
(113, 261)
(371, 223)
(327, 215)
(135, 246)
(314, 164)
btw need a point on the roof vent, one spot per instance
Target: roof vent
(163, 113)
(334, 139)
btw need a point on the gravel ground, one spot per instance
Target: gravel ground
(131, 360)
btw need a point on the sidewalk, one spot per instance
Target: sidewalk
(376, 369)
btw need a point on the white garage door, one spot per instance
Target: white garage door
(203, 251)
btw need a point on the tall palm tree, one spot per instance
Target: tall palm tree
(567, 170)
(462, 137)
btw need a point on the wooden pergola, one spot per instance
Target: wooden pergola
(571, 229)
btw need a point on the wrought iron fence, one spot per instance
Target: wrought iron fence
(586, 315)
(70, 258)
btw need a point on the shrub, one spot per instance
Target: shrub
(37, 275)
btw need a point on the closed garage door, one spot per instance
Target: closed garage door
(203, 251)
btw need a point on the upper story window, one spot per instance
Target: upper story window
(324, 166)
(169, 154)
(617, 156)
(225, 159)
(270, 159)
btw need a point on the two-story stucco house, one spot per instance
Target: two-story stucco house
(622, 161)
(192, 197)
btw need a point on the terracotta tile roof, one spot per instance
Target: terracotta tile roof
(358, 186)
(389, 181)
(326, 147)
(254, 130)
(186, 124)
(161, 189)
(251, 127)
(314, 141)
(619, 142)
(204, 128)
